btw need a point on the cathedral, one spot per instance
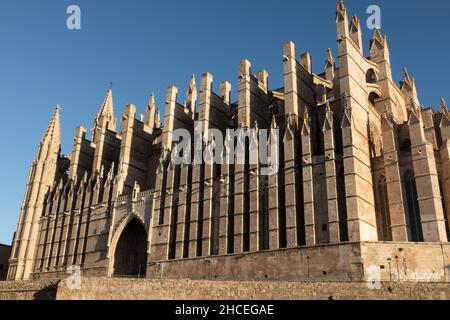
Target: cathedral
(362, 189)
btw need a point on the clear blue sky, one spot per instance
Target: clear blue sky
(144, 46)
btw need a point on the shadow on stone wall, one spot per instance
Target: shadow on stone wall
(47, 293)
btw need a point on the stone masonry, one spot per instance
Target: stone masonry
(363, 185)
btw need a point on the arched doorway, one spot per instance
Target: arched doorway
(130, 257)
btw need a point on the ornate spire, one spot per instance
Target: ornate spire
(407, 83)
(347, 112)
(341, 6)
(306, 122)
(329, 65)
(191, 95)
(443, 105)
(408, 88)
(355, 24)
(273, 123)
(150, 112)
(54, 128)
(330, 59)
(105, 117)
(445, 121)
(328, 123)
(158, 119)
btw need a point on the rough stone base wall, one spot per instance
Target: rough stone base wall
(144, 289)
(341, 262)
(28, 290)
(86, 272)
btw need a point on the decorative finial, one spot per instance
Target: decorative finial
(274, 122)
(110, 85)
(443, 104)
(306, 115)
(58, 107)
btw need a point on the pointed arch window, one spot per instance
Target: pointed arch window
(415, 226)
(371, 76)
(373, 97)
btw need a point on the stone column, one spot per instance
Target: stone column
(330, 176)
(308, 189)
(393, 180)
(429, 196)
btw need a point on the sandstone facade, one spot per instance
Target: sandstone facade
(364, 181)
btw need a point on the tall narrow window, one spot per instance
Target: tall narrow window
(382, 209)
(264, 216)
(415, 226)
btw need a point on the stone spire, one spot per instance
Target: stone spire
(40, 180)
(341, 20)
(54, 127)
(443, 106)
(355, 32)
(105, 118)
(408, 88)
(52, 135)
(329, 66)
(445, 121)
(158, 119)
(379, 49)
(191, 96)
(150, 113)
(341, 7)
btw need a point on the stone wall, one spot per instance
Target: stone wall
(140, 289)
(28, 290)
(341, 262)
(5, 253)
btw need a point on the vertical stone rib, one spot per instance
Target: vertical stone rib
(290, 186)
(224, 209)
(429, 197)
(196, 202)
(239, 195)
(207, 207)
(330, 176)
(393, 180)
(308, 188)
(273, 207)
(183, 210)
(254, 194)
